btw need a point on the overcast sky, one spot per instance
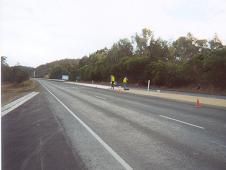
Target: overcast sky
(34, 32)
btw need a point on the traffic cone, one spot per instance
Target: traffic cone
(198, 104)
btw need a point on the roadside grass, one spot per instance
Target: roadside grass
(11, 91)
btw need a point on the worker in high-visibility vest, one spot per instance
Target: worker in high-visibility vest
(112, 81)
(125, 81)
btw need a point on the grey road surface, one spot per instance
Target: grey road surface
(140, 132)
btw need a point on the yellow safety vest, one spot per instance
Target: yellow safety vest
(112, 78)
(125, 80)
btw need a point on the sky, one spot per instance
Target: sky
(34, 32)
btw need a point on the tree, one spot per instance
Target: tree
(135, 67)
(123, 48)
(185, 47)
(158, 50)
(215, 43)
(57, 72)
(18, 74)
(5, 69)
(142, 41)
(215, 68)
(3, 61)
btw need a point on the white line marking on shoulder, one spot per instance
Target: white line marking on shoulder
(100, 97)
(13, 105)
(182, 122)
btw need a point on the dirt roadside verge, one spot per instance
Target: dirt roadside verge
(11, 92)
(180, 97)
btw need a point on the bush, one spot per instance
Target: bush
(135, 66)
(165, 74)
(215, 68)
(57, 72)
(18, 74)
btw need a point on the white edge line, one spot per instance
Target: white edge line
(11, 104)
(182, 122)
(15, 105)
(106, 146)
(100, 97)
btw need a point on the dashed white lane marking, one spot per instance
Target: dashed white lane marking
(106, 146)
(100, 97)
(13, 105)
(182, 122)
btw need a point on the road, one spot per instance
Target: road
(90, 128)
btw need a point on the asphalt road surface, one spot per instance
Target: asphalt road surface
(69, 127)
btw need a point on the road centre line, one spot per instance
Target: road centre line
(100, 97)
(105, 145)
(182, 122)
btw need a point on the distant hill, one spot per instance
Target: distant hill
(69, 65)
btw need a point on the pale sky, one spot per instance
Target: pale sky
(34, 32)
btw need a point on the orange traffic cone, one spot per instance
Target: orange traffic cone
(198, 104)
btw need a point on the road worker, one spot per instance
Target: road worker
(112, 81)
(125, 81)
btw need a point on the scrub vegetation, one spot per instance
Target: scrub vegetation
(14, 74)
(12, 91)
(15, 81)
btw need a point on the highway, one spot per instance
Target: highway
(104, 129)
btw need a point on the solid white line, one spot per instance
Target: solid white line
(13, 105)
(106, 146)
(100, 97)
(182, 122)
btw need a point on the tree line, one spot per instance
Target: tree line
(14, 74)
(185, 61)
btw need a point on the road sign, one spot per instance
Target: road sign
(65, 77)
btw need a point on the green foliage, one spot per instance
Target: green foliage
(142, 41)
(122, 48)
(57, 72)
(3, 61)
(134, 67)
(185, 47)
(68, 65)
(182, 62)
(18, 74)
(15, 74)
(5, 70)
(215, 43)
(215, 68)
